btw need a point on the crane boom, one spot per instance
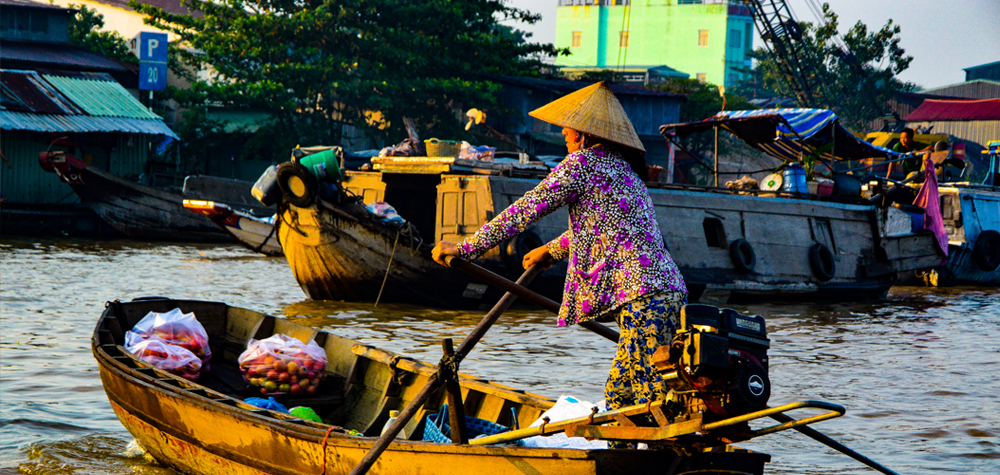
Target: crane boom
(783, 40)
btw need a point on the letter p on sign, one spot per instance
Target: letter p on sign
(149, 46)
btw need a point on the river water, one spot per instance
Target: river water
(918, 372)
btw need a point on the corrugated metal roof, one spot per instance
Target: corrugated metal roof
(11, 120)
(35, 95)
(101, 98)
(169, 6)
(74, 102)
(62, 56)
(31, 4)
(958, 109)
(975, 89)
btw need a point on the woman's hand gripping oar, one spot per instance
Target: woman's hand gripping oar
(435, 382)
(538, 299)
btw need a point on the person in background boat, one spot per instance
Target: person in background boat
(618, 267)
(907, 145)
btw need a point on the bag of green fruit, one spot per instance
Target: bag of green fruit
(281, 364)
(176, 328)
(170, 358)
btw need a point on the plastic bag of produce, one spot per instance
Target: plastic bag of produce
(176, 328)
(170, 358)
(281, 364)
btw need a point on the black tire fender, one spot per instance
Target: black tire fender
(513, 252)
(822, 262)
(742, 255)
(297, 184)
(986, 251)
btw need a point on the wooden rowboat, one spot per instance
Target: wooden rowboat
(205, 427)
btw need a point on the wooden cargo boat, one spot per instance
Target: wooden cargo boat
(255, 234)
(751, 245)
(972, 219)
(971, 216)
(144, 212)
(205, 427)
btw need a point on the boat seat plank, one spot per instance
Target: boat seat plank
(301, 332)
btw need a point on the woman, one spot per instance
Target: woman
(618, 267)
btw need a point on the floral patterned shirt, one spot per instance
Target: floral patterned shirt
(616, 254)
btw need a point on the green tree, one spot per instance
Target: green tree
(703, 101)
(855, 73)
(318, 65)
(85, 30)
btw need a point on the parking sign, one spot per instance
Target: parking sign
(151, 48)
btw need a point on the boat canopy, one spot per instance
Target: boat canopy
(788, 134)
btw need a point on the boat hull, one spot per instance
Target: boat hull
(256, 234)
(197, 430)
(341, 256)
(136, 210)
(968, 211)
(338, 255)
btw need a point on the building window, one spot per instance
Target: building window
(623, 39)
(735, 39)
(576, 39)
(702, 37)
(748, 38)
(701, 77)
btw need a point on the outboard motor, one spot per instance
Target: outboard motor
(717, 363)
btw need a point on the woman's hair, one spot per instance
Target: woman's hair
(635, 158)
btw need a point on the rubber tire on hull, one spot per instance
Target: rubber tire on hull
(512, 253)
(822, 262)
(298, 185)
(742, 255)
(986, 251)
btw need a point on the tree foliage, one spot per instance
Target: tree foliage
(855, 72)
(85, 29)
(703, 101)
(317, 65)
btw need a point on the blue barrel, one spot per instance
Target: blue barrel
(794, 178)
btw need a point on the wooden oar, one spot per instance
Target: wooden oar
(525, 293)
(435, 382)
(540, 300)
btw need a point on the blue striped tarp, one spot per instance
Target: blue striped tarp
(799, 133)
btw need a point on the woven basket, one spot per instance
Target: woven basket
(442, 148)
(437, 428)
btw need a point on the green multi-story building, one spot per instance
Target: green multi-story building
(706, 39)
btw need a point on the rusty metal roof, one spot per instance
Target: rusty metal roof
(73, 102)
(33, 94)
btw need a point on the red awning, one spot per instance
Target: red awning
(940, 109)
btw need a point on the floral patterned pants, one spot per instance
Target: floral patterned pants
(645, 325)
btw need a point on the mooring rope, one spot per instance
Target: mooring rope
(386, 277)
(325, 438)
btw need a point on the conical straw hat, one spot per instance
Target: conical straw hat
(592, 110)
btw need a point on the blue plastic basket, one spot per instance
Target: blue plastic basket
(437, 428)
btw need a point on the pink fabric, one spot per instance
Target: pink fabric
(928, 199)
